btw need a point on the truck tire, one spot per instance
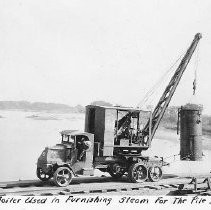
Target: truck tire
(137, 173)
(116, 171)
(155, 173)
(62, 176)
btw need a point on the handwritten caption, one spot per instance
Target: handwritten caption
(159, 200)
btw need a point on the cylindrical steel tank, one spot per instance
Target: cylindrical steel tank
(190, 132)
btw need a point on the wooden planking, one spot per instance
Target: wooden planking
(108, 186)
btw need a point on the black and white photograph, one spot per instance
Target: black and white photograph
(105, 103)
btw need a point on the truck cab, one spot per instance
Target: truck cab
(72, 157)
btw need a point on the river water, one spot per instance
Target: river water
(22, 140)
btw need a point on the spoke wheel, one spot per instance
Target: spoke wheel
(137, 173)
(155, 173)
(63, 176)
(116, 171)
(42, 175)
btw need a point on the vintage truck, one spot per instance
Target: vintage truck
(113, 141)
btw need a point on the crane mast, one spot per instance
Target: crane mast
(151, 126)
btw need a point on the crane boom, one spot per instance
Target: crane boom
(148, 131)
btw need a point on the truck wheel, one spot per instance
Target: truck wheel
(116, 171)
(155, 173)
(137, 173)
(42, 175)
(63, 176)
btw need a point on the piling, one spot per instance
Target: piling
(190, 132)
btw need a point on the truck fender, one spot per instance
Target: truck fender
(66, 165)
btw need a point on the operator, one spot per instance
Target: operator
(85, 145)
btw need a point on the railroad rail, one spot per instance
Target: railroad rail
(101, 185)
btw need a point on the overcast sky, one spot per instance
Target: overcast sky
(74, 52)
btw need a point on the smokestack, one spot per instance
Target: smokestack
(190, 132)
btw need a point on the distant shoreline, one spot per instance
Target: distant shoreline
(26, 106)
(169, 121)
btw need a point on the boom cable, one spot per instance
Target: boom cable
(156, 87)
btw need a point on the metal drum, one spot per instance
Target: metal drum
(190, 132)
